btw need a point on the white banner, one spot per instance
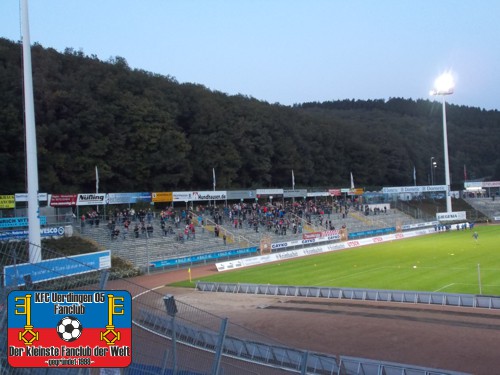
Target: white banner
(23, 197)
(419, 225)
(247, 262)
(90, 199)
(451, 216)
(413, 189)
(283, 245)
(182, 196)
(269, 191)
(490, 184)
(319, 194)
(209, 195)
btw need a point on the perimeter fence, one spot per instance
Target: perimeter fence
(429, 298)
(169, 336)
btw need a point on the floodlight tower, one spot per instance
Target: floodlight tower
(34, 240)
(445, 85)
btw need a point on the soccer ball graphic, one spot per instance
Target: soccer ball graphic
(69, 328)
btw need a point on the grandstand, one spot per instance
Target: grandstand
(489, 207)
(147, 248)
(476, 209)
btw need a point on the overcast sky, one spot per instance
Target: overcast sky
(286, 51)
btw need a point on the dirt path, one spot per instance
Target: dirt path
(460, 339)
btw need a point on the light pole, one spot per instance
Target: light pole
(444, 85)
(171, 308)
(433, 165)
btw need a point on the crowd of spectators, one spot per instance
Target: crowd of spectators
(182, 224)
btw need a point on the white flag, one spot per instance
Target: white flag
(293, 180)
(96, 180)
(414, 176)
(352, 182)
(213, 174)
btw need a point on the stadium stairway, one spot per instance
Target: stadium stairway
(146, 248)
(487, 206)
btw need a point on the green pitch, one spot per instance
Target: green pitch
(449, 262)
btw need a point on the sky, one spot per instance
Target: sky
(285, 51)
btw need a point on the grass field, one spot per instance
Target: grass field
(450, 262)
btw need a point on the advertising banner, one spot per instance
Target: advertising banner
(269, 192)
(297, 193)
(202, 257)
(162, 196)
(51, 269)
(209, 195)
(126, 198)
(91, 199)
(357, 191)
(69, 329)
(413, 189)
(7, 201)
(14, 222)
(335, 192)
(23, 197)
(451, 216)
(24, 233)
(62, 200)
(490, 184)
(182, 196)
(241, 194)
(318, 194)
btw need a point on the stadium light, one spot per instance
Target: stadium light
(433, 165)
(445, 85)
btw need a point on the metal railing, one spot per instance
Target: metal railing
(429, 298)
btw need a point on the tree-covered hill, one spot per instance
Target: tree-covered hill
(147, 132)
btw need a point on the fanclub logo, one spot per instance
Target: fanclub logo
(46, 328)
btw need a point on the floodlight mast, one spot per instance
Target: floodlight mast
(445, 85)
(34, 240)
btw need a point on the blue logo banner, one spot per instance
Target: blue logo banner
(56, 268)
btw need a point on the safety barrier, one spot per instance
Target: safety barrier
(270, 355)
(429, 298)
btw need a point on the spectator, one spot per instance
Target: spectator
(149, 230)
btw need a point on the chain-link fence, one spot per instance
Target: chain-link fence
(168, 336)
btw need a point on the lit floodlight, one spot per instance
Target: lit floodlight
(443, 85)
